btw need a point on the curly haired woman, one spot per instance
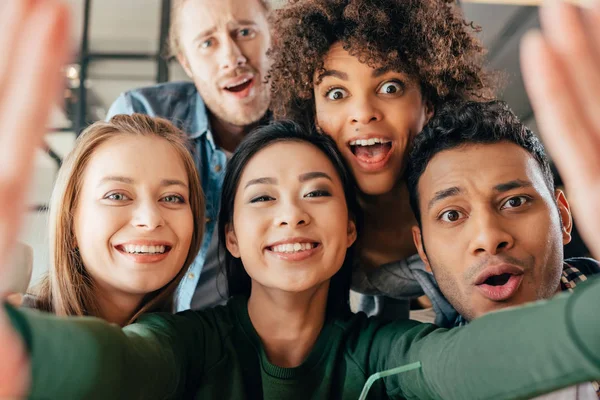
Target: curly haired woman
(370, 74)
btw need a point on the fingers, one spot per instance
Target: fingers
(557, 109)
(32, 81)
(12, 18)
(565, 30)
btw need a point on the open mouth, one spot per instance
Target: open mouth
(143, 249)
(240, 87)
(498, 280)
(500, 285)
(291, 248)
(371, 151)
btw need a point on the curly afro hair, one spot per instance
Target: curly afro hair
(426, 39)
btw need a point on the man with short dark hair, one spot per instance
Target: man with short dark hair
(491, 226)
(222, 46)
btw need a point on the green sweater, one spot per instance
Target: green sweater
(217, 354)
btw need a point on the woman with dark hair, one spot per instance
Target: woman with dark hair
(288, 218)
(370, 74)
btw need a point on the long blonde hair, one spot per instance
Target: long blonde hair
(68, 289)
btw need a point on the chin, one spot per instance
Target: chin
(375, 185)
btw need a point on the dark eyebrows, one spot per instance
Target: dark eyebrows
(335, 73)
(516, 184)
(443, 194)
(261, 181)
(313, 175)
(379, 71)
(302, 178)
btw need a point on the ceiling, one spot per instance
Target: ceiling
(134, 26)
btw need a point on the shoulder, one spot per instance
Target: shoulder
(587, 266)
(176, 101)
(35, 302)
(170, 90)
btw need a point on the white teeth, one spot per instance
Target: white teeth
(368, 142)
(238, 84)
(292, 247)
(133, 249)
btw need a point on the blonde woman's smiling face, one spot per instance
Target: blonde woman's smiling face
(133, 222)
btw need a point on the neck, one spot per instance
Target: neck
(228, 136)
(115, 307)
(396, 199)
(288, 324)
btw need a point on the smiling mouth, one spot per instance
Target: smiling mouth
(371, 151)
(291, 248)
(241, 86)
(143, 249)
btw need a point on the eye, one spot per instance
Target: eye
(116, 197)
(450, 216)
(261, 199)
(206, 44)
(246, 33)
(515, 202)
(176, 199)
(318, 193)
(336, 94)
(391, 87)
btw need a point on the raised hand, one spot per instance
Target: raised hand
(561, 69)
(33, 47)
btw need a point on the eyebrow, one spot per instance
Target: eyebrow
(313, 175)
(204, 34)
(516, 184)
(443, 194)
(245, 22)
(344, 76)
(335, 73)
(302, 178)
(261, 181)
(129, 181)
(500, 188)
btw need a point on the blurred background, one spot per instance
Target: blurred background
(118, 45)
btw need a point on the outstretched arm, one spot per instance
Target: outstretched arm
(33, 47)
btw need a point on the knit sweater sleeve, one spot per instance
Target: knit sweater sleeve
(517, 353)
(88, 358)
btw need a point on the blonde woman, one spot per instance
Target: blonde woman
(126, 220)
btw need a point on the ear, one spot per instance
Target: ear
(418, 240)
(185, 64)
(231, 241)
(564, 212)
(429, 111)
(351, 232)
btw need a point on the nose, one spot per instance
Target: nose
(291, 214)
(231, 56)
(147, 216)
(491, 236)
(364, 111)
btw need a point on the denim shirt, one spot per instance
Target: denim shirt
(180, 103)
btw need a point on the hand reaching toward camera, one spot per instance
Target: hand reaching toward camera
(33, 48)
(561, 69)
